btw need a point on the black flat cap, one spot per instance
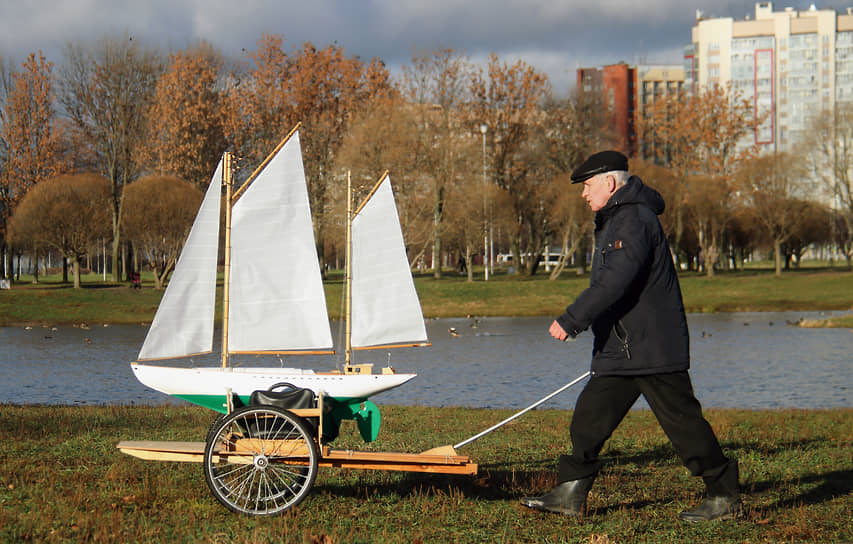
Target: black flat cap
(598, 163)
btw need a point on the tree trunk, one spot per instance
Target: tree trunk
(36, 271)
(777, 249)
(75, 269)
(436, 242)
(468, 263)
(564, 256)
(115, 247)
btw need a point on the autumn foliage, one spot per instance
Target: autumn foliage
(30, 134)
(69, 214)
(146, 121)
(185, 118)
(158, 214)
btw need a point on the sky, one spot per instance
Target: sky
(553, 36)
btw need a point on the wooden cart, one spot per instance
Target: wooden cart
(263, 460)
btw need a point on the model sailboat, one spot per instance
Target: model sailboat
(274, 301)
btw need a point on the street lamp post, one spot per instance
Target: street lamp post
(483, 129)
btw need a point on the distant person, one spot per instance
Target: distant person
(641, 346)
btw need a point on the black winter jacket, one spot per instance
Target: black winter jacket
(634, 300)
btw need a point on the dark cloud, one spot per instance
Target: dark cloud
(554, 36)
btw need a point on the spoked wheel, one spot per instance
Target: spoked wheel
(260, 460)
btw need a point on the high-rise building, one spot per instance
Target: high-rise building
(790, 64)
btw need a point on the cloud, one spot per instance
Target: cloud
(554, 36)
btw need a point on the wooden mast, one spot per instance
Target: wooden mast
(229, 184)
(348, 289)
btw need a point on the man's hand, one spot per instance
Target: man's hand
(557, 332)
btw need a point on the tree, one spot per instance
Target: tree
(563, 135)
(322, 89)
(464, 218)
(106, 93)
(571, 220)
(815, 229)
(709, 210)
(507, 98)
(829, 154)
(158, 215)
(771, 186)
(382, 138)
(28, 130)
(436, 84)
(69, 213)
(700, 136)
(185, 120)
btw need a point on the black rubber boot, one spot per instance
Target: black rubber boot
(568, 498)
(722, 496)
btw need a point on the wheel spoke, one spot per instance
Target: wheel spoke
(248, 460)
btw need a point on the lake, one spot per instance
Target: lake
(739, 360)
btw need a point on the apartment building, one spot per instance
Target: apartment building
(626, 91)
(790, 64)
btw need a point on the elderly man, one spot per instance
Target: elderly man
(641, 347)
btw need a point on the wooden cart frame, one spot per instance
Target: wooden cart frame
(263, 460)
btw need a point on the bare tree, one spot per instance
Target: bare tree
(829, 154)
(772, 186)
(382, 138)
(437, 84)
(507, 98)
(106, 92)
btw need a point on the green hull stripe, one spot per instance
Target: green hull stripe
(218, 402)
(362, 411)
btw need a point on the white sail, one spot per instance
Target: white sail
(385, 306)
(277, 302)
(183, 324)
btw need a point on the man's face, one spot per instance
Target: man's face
(597, 191)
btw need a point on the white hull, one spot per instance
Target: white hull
(192, 383)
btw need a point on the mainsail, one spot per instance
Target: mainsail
(385, 307)
(277, 302)
(183, 324)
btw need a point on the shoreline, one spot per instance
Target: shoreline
(842, 321)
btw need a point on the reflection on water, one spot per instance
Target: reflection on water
(741, 360)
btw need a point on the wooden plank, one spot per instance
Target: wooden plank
(306, 412)
(406, 462)
(468, 468)
(281, 448)
(153, 455)
(154, 445)
(394, 457)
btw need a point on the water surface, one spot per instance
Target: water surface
(739, 360)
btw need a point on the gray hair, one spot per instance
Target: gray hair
(621, 177)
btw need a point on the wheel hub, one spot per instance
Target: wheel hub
(261, 462)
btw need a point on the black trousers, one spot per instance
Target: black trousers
(605, 401)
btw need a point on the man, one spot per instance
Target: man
(641, 347)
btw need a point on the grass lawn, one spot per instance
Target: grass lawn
(63, 480)
(51, 302)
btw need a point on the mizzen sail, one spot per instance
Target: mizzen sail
(385, 305)
(277, 302)
(183, 324)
